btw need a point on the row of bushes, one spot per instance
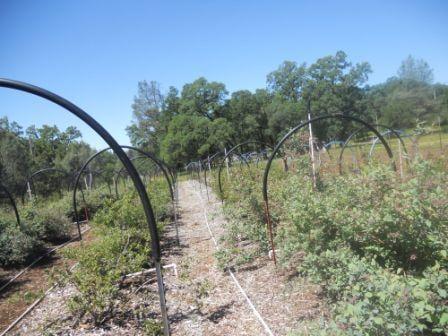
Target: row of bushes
(375, 243)
(122, 245)
(42, 222)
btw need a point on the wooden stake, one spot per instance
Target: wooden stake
(311, 144)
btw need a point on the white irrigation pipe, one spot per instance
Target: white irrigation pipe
(173, 266)
(39, 259)
(249, 302)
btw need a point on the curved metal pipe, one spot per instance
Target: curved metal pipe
(221, 164)
(346, 142)
(40, 171)
(120, 171)
(102, 132)
(280, 143)
(78, 176)
(13, 203)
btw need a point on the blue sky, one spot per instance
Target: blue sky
(94, 52)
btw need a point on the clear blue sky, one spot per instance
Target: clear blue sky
(95, 52)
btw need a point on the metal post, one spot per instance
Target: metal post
(85, 182)
(161, 286)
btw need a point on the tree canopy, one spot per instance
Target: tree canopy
(203, 117)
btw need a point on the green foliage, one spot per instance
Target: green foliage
(369, 300)
(43, 221)
(182, 126)
(16, 247)
(374, 243)
(203, 98)
(101, 266)
(152, 327)
(122, 246)
(400, 224)
(46, 223)
(190, 135)
(415, 70)
(23, 153)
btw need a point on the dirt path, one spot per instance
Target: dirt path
(203, 300)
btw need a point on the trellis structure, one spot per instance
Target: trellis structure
(388, 131)
(27, 185)
(104, 134)
(230, 152)
(286, 137)
(148, 155)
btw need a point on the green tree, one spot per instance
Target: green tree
(190, 137)
(288, 80)
(146, 109)
(418, 70)
(203, 98)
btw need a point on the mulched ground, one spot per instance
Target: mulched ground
(202, 299)
(23, 291)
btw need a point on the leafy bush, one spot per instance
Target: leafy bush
(16, 247)
(375, 243)
(369, 300)
(93, 201)
(46, 223)
(400, 224)
(122, 246)
(101, 267)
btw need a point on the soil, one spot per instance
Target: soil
(17, 296)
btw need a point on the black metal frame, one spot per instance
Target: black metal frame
(121, 170)
(13, 203)
(91, 158)
(41, 171)
(221, 164)
(101, 131)
(280, 143)
(350, 137)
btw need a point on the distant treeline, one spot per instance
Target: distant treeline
(203, 117)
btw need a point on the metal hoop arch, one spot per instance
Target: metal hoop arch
(280, 143)
(13, 203)
(104, 134)
(120, 171)
(91, 158)
(41, 171)
(221, 164)
(389, 129)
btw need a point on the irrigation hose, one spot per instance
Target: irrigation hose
(232, 275)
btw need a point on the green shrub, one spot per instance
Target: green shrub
(93, 201)
(46, 223)
(101, 266)
(399, 224)
(122, 246)
(374, 242)
(367, 299)
(16, 247)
